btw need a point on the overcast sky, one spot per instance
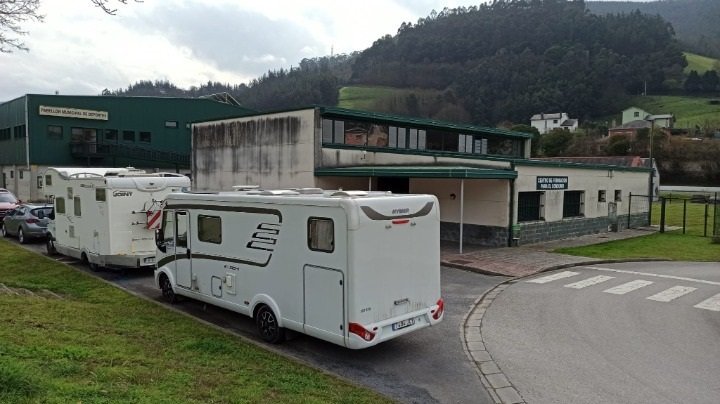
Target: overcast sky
(78, 49)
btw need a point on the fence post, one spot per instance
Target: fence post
(684, 214)
(705, 223)
(662, 215)
(629, 209)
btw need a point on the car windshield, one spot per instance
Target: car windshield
(41, 213)
(7, 197)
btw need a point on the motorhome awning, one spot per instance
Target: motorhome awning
(417, 172)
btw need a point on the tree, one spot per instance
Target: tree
(13, 13)
(556, 142)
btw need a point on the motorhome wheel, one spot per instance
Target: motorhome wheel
(267, 326)
(85, 260)
(167, 290)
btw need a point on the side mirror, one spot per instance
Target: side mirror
(160, 240)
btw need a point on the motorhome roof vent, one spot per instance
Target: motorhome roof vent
(245, 187)
(278, 192)
(349, 193)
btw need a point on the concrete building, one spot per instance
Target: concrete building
(545, 123)
(490, 191)
(37, 131)
(631, 115)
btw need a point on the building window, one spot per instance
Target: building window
(636, 114)
(555, 121)
(573, 203)
(145, 137)
(19, 131)
(402, 138)
(54, 132)
(530, 206)
(60, 206)
(12, 174)
(321, 234)
(338, 131)
(327, 131)
(5, 134)
(618, 195)
(171, 124)
(601, 195)
(210, 229)
(39, 181)
(128, 136)
(111, 135)
(77, 209)
(48, 180)
(100, 194)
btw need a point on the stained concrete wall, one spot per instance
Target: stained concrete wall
(272, 151)
(331, 157)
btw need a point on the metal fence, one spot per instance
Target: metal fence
(696, 215)
(639, 210)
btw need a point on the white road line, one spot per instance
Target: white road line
(678, 278)
(628, 287)
(589, 282)
(553, 277)
(712, 303)
(672, 293)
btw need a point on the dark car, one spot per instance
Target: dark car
(27, 221)
(8, 202)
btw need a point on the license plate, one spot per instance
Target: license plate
(402, 324)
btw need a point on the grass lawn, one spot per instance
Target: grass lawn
(100, 344)
(363, 98)
(672, 245)
(688, 111)
(700, 64)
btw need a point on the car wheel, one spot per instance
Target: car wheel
(167, 290)
(267, 326)
(50, 246)
(85, 260)
(21, 236)
(4, 231)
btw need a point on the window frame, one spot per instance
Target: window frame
(618, 195)
(60, 205)
(569, 209)
(77, 206)
(316, 246)
(540, 207)
(201, 219)
(602, 195)
(125, 137)
(55, 135)
(143, 134)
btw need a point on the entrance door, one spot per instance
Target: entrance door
(183, 264)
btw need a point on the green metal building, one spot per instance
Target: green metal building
(39, 131)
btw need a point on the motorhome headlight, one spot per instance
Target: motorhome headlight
(149, 260)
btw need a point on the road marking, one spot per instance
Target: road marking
(553, 277)
(672, 293)
(679, 278)
(589, 282)
(712, 303)
(628, 287)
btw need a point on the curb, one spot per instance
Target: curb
(498, 386)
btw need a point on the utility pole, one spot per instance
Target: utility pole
(651, 196)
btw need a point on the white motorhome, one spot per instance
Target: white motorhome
(106, 216)
(351, 267)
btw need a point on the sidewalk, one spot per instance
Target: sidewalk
(527, 259)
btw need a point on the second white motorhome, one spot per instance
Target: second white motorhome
(107, 216)
(353, 268)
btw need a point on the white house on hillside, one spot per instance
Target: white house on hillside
(544, 123)
(637, 114)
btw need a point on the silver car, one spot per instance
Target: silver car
(27, 221)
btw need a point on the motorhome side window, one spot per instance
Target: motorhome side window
(181, 229)
(77, 207)
(100, 194)
(60, 206)
(168, 226)
(321, 234)
(210, 229)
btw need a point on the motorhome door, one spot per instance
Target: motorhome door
(183, 264)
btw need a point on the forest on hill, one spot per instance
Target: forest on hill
(695, 21)
(496, 62)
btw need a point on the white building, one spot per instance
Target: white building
(545, 123)
(637, 114)
(483, 177)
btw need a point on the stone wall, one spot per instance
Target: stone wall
(536, 232)
(488, 236)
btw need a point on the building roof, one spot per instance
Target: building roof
(417, 172)
(661, 116)
(623, 161)
(569, 122)
(636, 124)
(537, 117)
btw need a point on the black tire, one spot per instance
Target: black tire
(4, 231)
(167, 290)
(21, 236)
(267, 326)
(85, 260)
(50, 246)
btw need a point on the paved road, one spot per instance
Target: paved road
(621, 333)
(428, 366)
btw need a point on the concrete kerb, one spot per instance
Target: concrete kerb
(497, 384)
(257, 344)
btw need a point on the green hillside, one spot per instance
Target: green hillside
(700, 64)
(366, 98)
(688, 111)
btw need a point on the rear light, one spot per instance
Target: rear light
(401, 221)
(439, 311)
(30, 221)
(360, 331)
